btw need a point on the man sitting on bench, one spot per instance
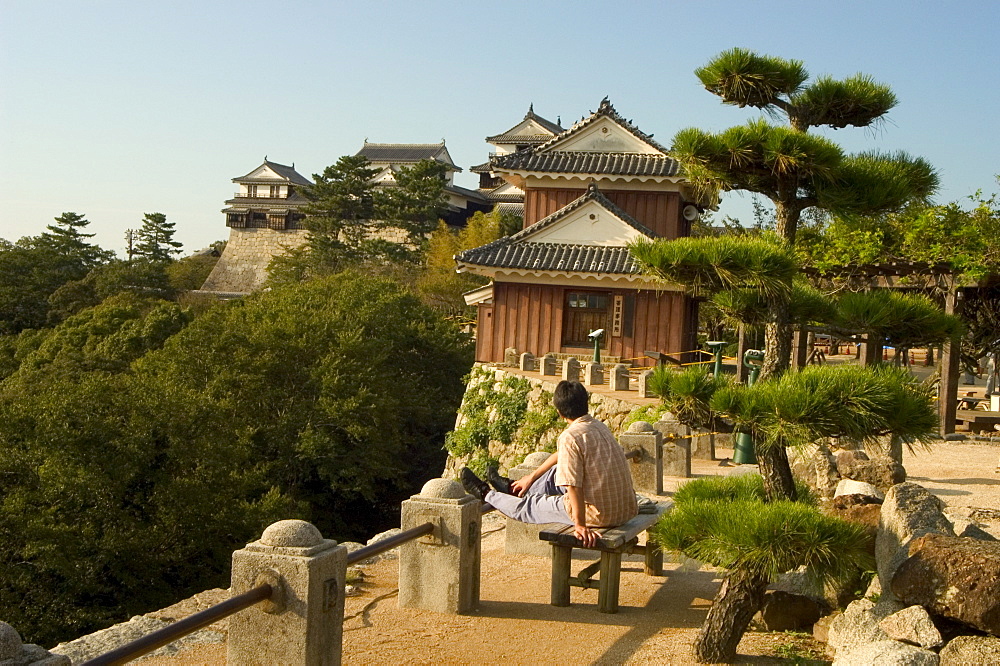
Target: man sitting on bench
(585, 483)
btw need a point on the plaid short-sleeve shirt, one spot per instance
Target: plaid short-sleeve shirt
(591, 459)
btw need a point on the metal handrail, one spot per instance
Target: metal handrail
(389, 543)
(171, 633)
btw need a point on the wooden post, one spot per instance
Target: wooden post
(799, 348)
(607, 591)
(561, 558)
(950, 362)
(742, 372)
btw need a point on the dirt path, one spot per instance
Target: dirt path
(658, 619)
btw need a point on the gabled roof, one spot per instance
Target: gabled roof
(517, 133)
(518, 251)
(559, 156)
(282, 172)
(406, 153)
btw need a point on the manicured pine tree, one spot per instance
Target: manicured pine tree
(154, 240)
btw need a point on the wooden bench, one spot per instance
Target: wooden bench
(976, 420)
(613, 542)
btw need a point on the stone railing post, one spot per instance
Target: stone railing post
(510, 357)
(702, 444)
(593, 374)
(643, 386)
(302, 622)
(440, 571)
(676, 448)
(550, 365)
(647, 469)
(571, 370)
(619, 377)
(16, 653)
(522, 538)
(527, 362)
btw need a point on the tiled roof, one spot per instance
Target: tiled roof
(551, 257)
(475, 195)
(507, 137)
(508, 197)
(485, 167)
(404, 153)
(625, 164)
(518, 251)
(607, 110)
(527, 139)
(285, 172)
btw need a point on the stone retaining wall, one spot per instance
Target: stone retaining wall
(242, 268)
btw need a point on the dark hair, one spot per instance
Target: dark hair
(571, 399)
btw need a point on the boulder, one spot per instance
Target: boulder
(954, 577)
(965, 650)
(912, 625)
(783, 611)
(862, 514)
(856, 626)
(886, 653)
(847, 501)
(880, 471)
(846, 458)
(821, 628)
(909, 511)
(815, 466)
(851, 487)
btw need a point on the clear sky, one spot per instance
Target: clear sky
(115, 109)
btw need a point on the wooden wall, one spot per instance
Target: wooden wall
(660, 211)
(530, 317)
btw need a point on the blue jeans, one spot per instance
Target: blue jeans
(542, 503)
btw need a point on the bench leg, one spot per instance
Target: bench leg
(654, 559)
(607, 595)
(561, 558)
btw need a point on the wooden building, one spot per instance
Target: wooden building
(588, 192)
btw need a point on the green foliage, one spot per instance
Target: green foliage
(737, 531)
(417, 202)
(708, 265)
(189, 273)
(649, 414)
(741, 488)
(687, 394)
(138, 452)
(155, 239)
(441, 286)
(858, 403)
(500, 414)
(901, 319)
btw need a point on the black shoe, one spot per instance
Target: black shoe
(473, 484)
(501, 484)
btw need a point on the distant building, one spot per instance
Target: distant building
(391, 157)
(532, 131)
(588, 192)
(264, 220)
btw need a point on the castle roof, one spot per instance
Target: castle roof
(269, 172)
(525, 132)
(406, 153)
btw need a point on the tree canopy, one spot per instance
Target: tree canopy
(155, 239)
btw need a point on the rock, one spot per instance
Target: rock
(912, 625)
(967, 528)
(857, 625)
(886, 653)
(10, 642)
(389, 554)
(954, 577)
(848, 457)
(862, 514)
(909, 511)
(880, 471)
(847, 501)
(954, 437)
(815, 466)
(851, 487)
(783, 611)
(966, 650)
(821, 628)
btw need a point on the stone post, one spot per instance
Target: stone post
(522, 538)
(676, 447)
(527, 363)
(571, 370)
(647, 469)
(619, 377)
(643, 387)
(440, 571)
(702, 444)
(593, 374)
(302, 623)
(550, 366)
(510, 357)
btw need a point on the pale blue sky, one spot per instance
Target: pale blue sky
(114, 109)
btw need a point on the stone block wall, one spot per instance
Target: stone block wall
(242, 268)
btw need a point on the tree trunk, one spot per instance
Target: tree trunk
(776, 472)
(777, 343)
(786, 219)
(738, 599)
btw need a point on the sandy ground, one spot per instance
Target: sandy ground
(658, 619)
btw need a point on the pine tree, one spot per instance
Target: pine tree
(155, 239)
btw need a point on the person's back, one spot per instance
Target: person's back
(590, 458)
